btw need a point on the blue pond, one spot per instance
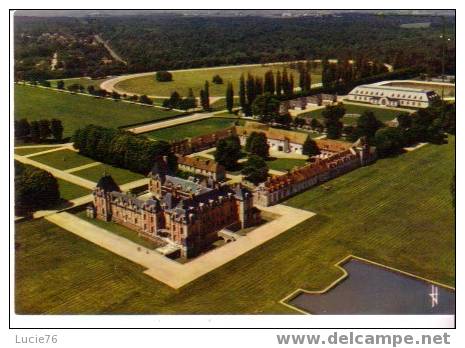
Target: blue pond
(372, 289)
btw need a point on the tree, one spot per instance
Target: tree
(61, 84)
(229, 97)
(255, 169)
(367, 125)
(163, 76)
(228, 151)
(310, 147)
(269, 84)
(332, 115)
(250, 84)
(283, 119)
(174, 100)
(266, 107)
(205, 96)
(404, 120)
(22, 128)
(56, 128)
(257, 144)
(316, 125)
(145, 100)
(217, 80)
(75, 87)
(120, 148)
(279, 84)
(388, 141)
(285, 83)
(187, 103)
(291, 85)
(35, 131)
(307, 81)
(34, 189)
(242, 92)
(44, 129)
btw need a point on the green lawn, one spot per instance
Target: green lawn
(220, 104)
(80, 80)
(192, 129)
(69, 191)
(120, 230)
(76, 111)
(63, 159)
(382, 114)
(121, 176)
(195, 79)
(31, 150)
(396, 211)
(284, 164)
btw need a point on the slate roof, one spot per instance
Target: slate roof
(107, 184)
(186, 185)
(199, 163)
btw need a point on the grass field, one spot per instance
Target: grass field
(80, 80)
(381, 114)
(69, 191)
(121, 176)
(396, 211)
(284, 164)
(31, 150)
(76, 111)
(195, 79)
(63, 159)
(220, 104)
(119, 230)
(192, 129)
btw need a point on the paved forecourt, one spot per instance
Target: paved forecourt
(170, 272)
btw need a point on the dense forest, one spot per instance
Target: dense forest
(163, 42)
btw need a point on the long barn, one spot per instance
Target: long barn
(392, 96)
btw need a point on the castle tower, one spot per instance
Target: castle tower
(244, 199)
(157, 176)
(102, 197)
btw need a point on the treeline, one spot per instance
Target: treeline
(425, 125)
(34, 189)
(38, 130)
(121, 149)
(175, 101)
(157, 43)
(161, 43)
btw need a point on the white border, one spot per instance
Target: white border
(234, 321)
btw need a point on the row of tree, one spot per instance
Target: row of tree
(34, 189)
(175, 101)
(424, 125)
(120, 148)
(39, 130)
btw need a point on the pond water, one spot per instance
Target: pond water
(371, 289)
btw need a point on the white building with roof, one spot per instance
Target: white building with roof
(380, 94)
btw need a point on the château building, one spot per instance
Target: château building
(205, 167)
(335, 158)
(186, 214)
(278, 139)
